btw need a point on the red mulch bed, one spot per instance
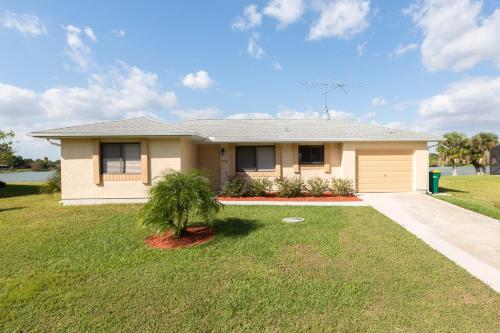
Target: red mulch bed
(194, 236)
(272, 197)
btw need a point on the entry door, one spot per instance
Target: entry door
(384, 170)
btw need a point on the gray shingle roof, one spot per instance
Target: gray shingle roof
(242, 130)
(298, 130)
(129, 127)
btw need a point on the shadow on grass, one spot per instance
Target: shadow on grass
(451, 190)
(235, 227)
(11, 208)
(18, 190)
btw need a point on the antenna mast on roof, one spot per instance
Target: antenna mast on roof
(327, 87)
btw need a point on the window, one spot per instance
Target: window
(121, 158)
(251, 158)
(311, 155)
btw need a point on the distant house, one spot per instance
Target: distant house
(117, 161)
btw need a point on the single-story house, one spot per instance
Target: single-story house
(117, 161)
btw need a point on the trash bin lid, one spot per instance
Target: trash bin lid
(436, 171)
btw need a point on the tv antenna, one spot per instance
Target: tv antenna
(327, 87)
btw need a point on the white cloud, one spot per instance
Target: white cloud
(341, 19)
(277, 66)
(90, 34)
(378, 101)
(369, 115)
(204, 113)
(285, 11)
(120, 33)
(23, 23)
(76, 49)
(125, 92)
(251, 18)
(456, 35)
(360, 48)
(402, 49)
(253, 48)
(250, 115)
(198, 80)
(469, 105)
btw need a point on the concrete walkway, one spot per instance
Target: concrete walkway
(469, 239)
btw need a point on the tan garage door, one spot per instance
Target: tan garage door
(384, 170)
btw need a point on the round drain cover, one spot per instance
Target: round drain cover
(293, 219)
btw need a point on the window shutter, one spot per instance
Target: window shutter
(96, 162)
(144, 162)
(295, 152)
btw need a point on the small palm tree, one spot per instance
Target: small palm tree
(176, 198)
(454, 150)
(481, 144)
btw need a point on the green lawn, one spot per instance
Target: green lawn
(478, 193)
(345, 269)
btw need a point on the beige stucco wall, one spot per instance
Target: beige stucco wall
(183, 154)
(77, 169)
(420, 159)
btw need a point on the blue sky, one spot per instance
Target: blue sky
(429, 65)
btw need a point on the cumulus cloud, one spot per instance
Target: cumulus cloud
(251, 18)
(24, 23)
(90, 34)
(190, 114)
(124, 92)
(277, 66)
(198, 80)
(340, 18)
(456, 35)
(76, 48)
(285, 11)
(378, 101)
(119, 33)
(254, 50)
(402, 49)
(469, 105)
(360, 48)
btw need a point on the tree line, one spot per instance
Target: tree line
(458, 149)
(9, 160)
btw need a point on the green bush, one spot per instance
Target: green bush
(2, 184)
(260, 187)
(176, 198)
(290, 187)
(342, 187)
(316, 186)
(53, 184)
(235, 187)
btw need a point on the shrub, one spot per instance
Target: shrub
(260, 187)
(235, 187)
(290, 187)
(317, 186)
(2, 184)
(176, 198)
(342, 187)
(53, 184)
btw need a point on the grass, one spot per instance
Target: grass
(479, 193)
(344, 269)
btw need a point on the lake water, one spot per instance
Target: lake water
(26, 176)
(462, 171)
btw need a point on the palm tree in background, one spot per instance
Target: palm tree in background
(480, 146)
(454, 150)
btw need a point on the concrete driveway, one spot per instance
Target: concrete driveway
(469, 239)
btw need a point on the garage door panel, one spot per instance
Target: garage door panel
(385, 171)
(385, 158)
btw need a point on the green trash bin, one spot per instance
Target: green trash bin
(434, 176)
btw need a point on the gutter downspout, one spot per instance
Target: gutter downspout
(53, 143)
